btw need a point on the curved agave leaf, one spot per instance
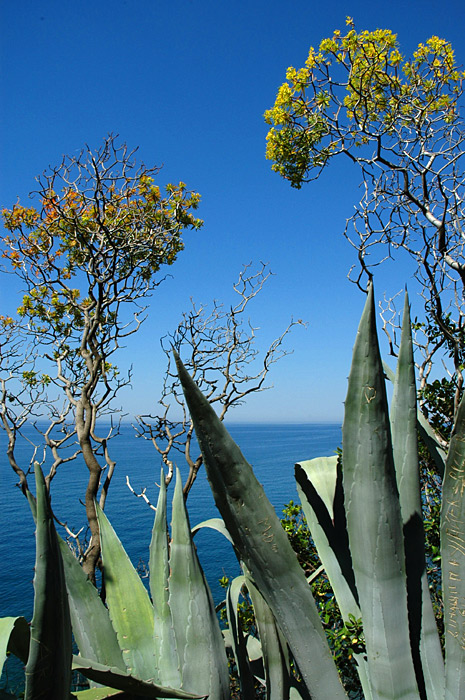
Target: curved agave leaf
(214, 524)
(198, 634)
(276, 662)
(426, 646)
(116, 678)
(238, 639)
(453, 559)
(319, 485)
(100, 694)
(263, 545)
(131, 611)
(14, 638)
(374, 522)
(48, 669)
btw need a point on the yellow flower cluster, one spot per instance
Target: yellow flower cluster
(378, 88)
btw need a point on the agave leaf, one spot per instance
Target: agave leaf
(14, 638)
(166, 653)
(115, 678)
(227, 637)
(295, 694)
(131, 611)
(429, 437)
(426, 646)
(100, 694)
(198, 634)
(255, 654)
(32, 504)
(425, 431)
(374, 522)
(276, 662)
(453, 559)
(48, 669)
(92, 628)
(319, 485)
(238, 639)
(263, 545)
(214, 524)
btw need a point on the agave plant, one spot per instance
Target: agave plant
(172, 642)
(366, 521)
(171, 648)
(263, 545)
(365, 518)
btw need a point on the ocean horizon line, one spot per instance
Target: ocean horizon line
(271, 422)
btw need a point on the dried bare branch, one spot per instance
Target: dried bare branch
(218, 349)
(142, 494)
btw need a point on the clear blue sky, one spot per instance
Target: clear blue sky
(188, 81)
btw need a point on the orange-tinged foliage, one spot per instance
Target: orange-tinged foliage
(116, 229)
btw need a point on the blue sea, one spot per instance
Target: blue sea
(271, 449)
